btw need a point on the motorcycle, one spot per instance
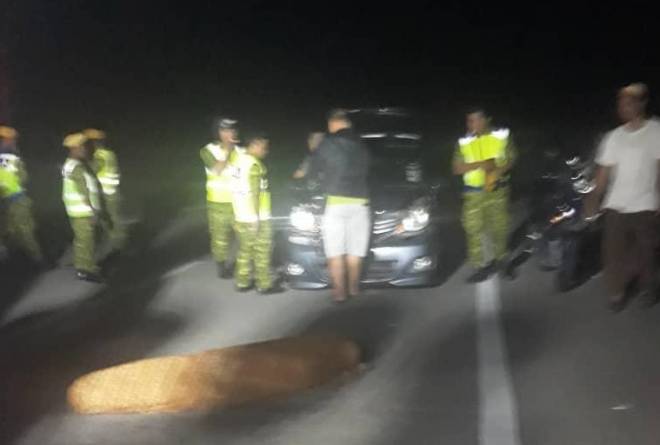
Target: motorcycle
(557, 232)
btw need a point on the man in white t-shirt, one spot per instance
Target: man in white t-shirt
(628, 170)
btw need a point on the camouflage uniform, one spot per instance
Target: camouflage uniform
(106, 167)
(79, 180)
(16, 220)
(255, 246)
(84, 244)
(255, 233)
(219, 202)
(486, 213)
(221, 227)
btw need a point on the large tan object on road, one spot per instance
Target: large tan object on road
(215, 378)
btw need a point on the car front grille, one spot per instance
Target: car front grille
(375, 271)
(380, 271)
(386, 222)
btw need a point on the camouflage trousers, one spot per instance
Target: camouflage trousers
(221, 228)
(255, 248)
(116, 232)
(486, 217)
(17, 227)
(84, 244)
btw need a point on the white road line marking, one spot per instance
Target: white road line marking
(498, 413)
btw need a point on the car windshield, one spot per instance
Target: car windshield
(391, 135)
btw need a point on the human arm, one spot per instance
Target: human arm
(210, 161)
(460, 167)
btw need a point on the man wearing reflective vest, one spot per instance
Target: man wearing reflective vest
(252, 210)
(82, 199)
(218, 158)
(105, 165)
(484, 158)
(16, 221)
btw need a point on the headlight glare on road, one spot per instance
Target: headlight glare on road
(302, 219)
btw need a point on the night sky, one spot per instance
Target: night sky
(142, 67)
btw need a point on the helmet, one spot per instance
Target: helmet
(94, 134)
(75, 140)
(8, 132)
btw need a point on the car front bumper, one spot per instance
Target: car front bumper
(399, 262)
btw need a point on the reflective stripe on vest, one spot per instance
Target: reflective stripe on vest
(481, 148)
(10, 180)
(109, 174)
(244, 209)
(74, 200)
(219, 186)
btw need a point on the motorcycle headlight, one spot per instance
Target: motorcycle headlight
(418, 218)
(583, 187)
(302, 219)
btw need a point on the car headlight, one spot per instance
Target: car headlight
(418, 218)
(302, 219)
(583, 187)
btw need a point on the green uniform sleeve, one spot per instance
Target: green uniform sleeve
(207, 158)
(78, 177)
(111, 163)
(255, 185)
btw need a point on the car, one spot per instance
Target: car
(404, 246)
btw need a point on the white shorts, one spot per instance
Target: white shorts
(346, 230)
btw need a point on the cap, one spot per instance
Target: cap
(94, 134)
(226, 123)
(74, 140)
(8, 132)
(637, 89)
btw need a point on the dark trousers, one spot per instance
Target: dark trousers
(629, 246)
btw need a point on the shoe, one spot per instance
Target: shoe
(616, 305)
(243, 289)
(224, 271)
(89, 276)
(647, 299)
(482, 274)
(276, 289)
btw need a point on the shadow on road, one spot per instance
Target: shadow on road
(42, 353)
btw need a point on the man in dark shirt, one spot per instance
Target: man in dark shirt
(343, 163)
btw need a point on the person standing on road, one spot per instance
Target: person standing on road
(218, 158)
(82, 199)
(252, 210)
(106, 167)
(313, 141)
(343, 163)
(628, 167)
(484, 158)
(16, 222)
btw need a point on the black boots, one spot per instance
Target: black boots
(224, 271)
(90, 277)
(483, 273)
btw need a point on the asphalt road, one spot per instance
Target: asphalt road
(565, 372)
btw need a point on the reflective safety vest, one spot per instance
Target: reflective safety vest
(219, 186)
(74, 199)
(108, 174)
(10, 178)
(245, 192)
(481, 148)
